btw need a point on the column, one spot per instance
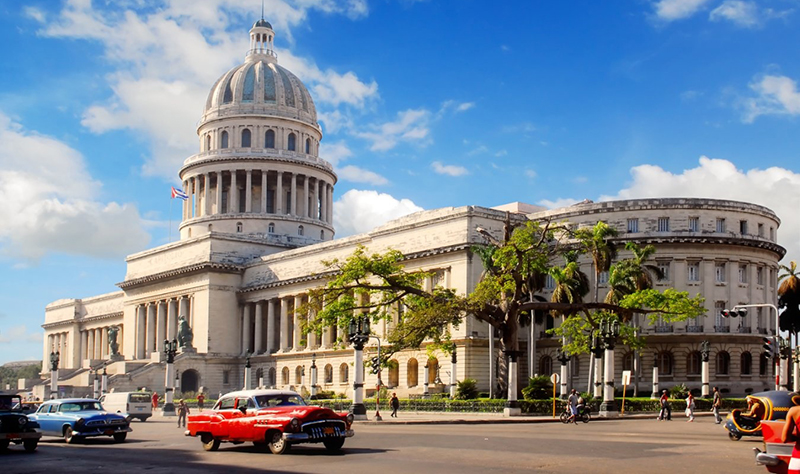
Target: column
(284, 324)
(264, 191)
(279, 194)
(207, 194)
(248, 192)
(246, 323)
(183, 307)
(219, 192)
(172, 319)
(196, 195)
(298, 324)
(104, 342)
(293, 196)
(323, 195)
(140, 331)
(329, 217)
(708, 284)
(315, 200)
(98, 344)
(271, 324)
(304, 207)
(90, 344)
(84, 345)
(184, 203)
(259, 346)
(161, 327)
(233, 194)
(151, 329)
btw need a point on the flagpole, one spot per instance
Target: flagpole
(170, 219)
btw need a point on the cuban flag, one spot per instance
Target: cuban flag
(177, 193)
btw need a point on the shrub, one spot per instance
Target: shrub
(678, 391)
(467, 389)
(538, 388)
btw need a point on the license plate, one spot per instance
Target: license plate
(139, 409)
(12, 435)
(109, 432)
(328, 431)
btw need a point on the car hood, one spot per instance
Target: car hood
(304, 413)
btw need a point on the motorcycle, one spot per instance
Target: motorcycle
(583, 414)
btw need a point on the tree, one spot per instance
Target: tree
(789, 297)
(377, 284)
(596, 241)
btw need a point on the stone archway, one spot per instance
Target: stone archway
(190, 381)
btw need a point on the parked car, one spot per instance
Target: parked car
(274, 418)
(15, 426)
(776, 454)
(77, 418)
(129, 404)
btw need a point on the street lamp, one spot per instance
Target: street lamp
(597, 350)
(96, 385)
(313, 374)
(54, 359)
(609, 331)
(563, 357)
(104, 381)
(170, 349)
(358, 335)
(704, 355)
(247, 372)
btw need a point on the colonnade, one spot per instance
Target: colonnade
(57, 342)
(94, 342)
(157, 321)
(286, 193)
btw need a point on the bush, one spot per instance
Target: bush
(538, 388)
(467, 389)
(324, 395)
(678, 391)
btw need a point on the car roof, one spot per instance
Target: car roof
(71, 400)
(259, 392)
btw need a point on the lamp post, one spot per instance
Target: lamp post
(247, 371)
(741, 310)
(512, 407)
(563, 357)
(376, 369)
(96, 385)
(656, 394)
(796, 370)
(358, 335)
(313, 374)
(597, 350)
(609, 330)
(704, 353)
(54, 359)
(104, 381)
(453, 368)
(426, 375)
(170, 349)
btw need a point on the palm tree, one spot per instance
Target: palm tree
(596, 241)
(632, 274)
(789, 297)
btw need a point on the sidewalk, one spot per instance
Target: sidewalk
(455, 418)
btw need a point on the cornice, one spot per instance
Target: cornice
(90, 319)
(182, 271)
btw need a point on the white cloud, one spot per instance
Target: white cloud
(411, 126)
(455, 106)
(530, 173)
(360, 211)
(18, 334)
(35, 13)
(737, 11)
(51, 204)
(450, 170)
(524, 127)
(558, 203)
(334, 153)
(360, 175)
(775, 188)
(776, 95)
(669, 10)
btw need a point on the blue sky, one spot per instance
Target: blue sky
(423, 104)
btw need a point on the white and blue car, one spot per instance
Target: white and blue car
(77, 418)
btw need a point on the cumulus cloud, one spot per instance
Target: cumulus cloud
(670, 10)
(360, 175)
(360, 211)
(51, 203)
(450, 170)
(737, 11)
(775, 95)
(18, 334)
(410, 126)
(557, 203)
(334, 153)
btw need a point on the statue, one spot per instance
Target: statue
(113, 331)
(185, 335)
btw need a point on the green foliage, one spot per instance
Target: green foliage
(467, 389)
(324, 395)
(678, 391)
(538, 388)
(9, 375)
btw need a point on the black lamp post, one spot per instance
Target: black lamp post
(248, 381)
(170, 349)
(609, 331)
(358, 335)
(597, 349)
(564, 358)
(55, 356)
(104, 380)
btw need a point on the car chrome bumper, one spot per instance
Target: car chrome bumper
(300, 437)
(27, 435)
(764, 459)
(102, 432)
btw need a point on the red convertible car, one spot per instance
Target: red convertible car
(275, 418)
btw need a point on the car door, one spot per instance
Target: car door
(45, 419)
(242, 419)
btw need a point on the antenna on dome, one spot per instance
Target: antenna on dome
(262, 9)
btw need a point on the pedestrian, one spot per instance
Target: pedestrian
(200, 400)
(155, 400)
(573, 406)
(183, 410)
(395, 404)
(791, 434)
(716, 405)
(666, 411)
(690, 407)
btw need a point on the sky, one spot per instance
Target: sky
(423, 104)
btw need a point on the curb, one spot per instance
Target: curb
(489, 421)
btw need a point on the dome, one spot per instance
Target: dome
(262, 23)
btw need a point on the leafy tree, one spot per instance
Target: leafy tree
(789, 297)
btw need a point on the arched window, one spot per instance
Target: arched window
(394, 373)
(412, 373)
(292, 142)
(627, 361)
(308, 145)
(298, 375)
(328, 374)
(208, 142)
(665, 363)
(433, 371)
(239, 227)
(723, 363)
(322, 235)
(299, 230)
(746, 363)
(224, 140)
(269, 139)
(246, 138)
(343, 371)
(271, 228)
(545, 365)
(272, 381)
(763, 364)
(576, 366)
(285, 376)
(693, 363)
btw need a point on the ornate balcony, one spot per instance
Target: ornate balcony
(744, 330)
(662, 329)
(694, 328)
(722, 329)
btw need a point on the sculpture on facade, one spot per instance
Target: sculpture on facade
(113, 332)
(185, 335)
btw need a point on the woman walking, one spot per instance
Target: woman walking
(690, 407)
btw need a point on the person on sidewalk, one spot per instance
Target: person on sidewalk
(690, 407)
(395, 404)
(183, 410)
(716, 405)
(666, 411)
(573, 406)
(155, 400)
(200, 400)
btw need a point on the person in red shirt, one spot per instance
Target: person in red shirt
(200, 400)
(155, 400)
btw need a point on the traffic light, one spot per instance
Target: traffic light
(376, 365)
(733, 313)
(770, 347)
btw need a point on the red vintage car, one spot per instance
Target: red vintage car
(776, 455)
(275, 418)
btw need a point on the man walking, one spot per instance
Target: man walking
(573, 406)
(200, 401)
(395, 403)
(716, 405)
(183, 410)
(666, 411)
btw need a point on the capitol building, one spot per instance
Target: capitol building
(258, 223)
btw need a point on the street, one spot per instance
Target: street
(158, 446)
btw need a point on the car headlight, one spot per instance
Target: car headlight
(22, 420)
(80, 421)
(294, 424)
(349, 418)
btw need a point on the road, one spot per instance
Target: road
(158, 446)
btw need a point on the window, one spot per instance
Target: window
(246, 138)
(743, 273)
(208, 142)
(272, 377)
(693, 363)
(720, 225)
(719, 321)
(694, 224)
(549, 282)
(328, 374)
(308, 145)
(545, 365)
(292, 142)
(224, 140)
(663, 224)
(433, 371)
(227, 403)
(238, 227)
(759, 318)
(719, 272)
(759, 275)
(663, 267)
(633, 225)
(298, 375)
(322, 235)
(627, 361)
(771, 233)
(285, 376)
(746, 363)
(760, 229)
(602, 278)
(226, 377)
(343, 373)
(394, 373)
(269, 139)
(723, 363)
(300, 230)
(763, 364)
(694, 271)
(271, 228)
(575, 364)
(743, 227)
(664, 363)
(412, 373)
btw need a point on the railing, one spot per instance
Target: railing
(662, 329)
(762, 330)
(722, 329)
(694, 328)
(744, 329)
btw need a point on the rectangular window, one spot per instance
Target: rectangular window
(719, 272)
(663, 224)
(226, 377)
(633, 225)
(759, 318)
(718, 319)
(760, 275)
(694, 224)
(694, 271)
(743, 273)
(772, 234)
(602, 278)
(743, 227)
(720, 225)
(549, 282)
(760, 230)
(664, 268)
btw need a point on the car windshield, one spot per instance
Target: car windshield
(140, 398)
(10, 403)
(79, 406)
(279, 400)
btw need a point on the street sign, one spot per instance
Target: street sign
(626, 377)
(554, 378)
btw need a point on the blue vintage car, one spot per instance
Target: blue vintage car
(76, 418)
(15, 427)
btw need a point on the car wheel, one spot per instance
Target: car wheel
(30, 445)
(69, 437)
(209, 442)
(277, 445)
(120, 437)
(334, 444)
(734, 436)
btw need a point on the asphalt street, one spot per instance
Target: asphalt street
(630, 446)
